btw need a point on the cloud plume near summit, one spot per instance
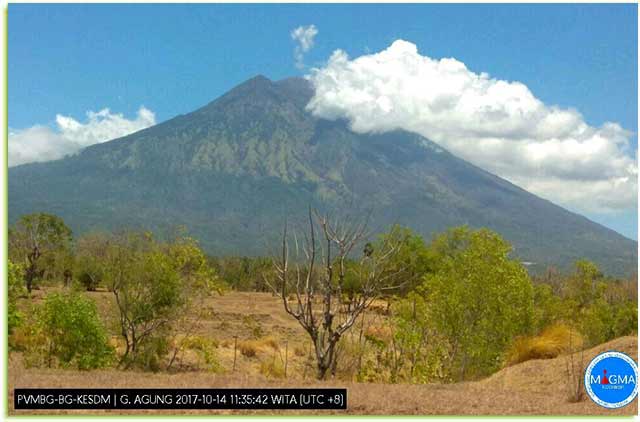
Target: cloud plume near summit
(303, 36)
(42, 143)
(498, 125)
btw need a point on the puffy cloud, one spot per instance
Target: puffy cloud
(41, 143)
(303, 36)
(498, 125)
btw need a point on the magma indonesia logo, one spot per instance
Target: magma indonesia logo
(610, 380)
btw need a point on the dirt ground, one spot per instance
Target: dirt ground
(537, 387)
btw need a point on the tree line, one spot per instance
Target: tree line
(458, 307)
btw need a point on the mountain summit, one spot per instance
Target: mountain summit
(231, 170)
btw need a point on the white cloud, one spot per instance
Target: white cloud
(41, 143)
(498, 125)
(303, 36)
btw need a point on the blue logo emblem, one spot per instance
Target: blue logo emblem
(610, 380)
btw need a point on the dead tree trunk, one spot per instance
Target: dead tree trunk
(32, 272)
(316, 276)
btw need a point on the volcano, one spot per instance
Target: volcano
(233, 170)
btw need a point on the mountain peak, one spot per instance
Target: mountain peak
(229, 170)
(258, 80)
(252, 89)
(299, 90)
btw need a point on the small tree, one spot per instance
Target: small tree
(319, 270)
(92, 251)
(548, 308)
(598, 305)
(585, 285)
(146, 288)
(36, 240)
(74, 332)
(198, 281)
(479, 299)
(411, 336)
(153, 283)
(410, 263)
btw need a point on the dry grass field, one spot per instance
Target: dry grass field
(265, 334)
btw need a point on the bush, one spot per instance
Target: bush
(16, 289)
(248, 348)
(92, 251)
(87, 281)
(254, 326)
(42, 242)
(74, 332)
(626, 318)
(478, 300)
(602, 308)
(550, 343)
(420, 357)
(150, 354)
(548, 307)
(154, 283)
(31, 340)
(148, 292)
(206, 349)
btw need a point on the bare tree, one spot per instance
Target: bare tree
(316, 275)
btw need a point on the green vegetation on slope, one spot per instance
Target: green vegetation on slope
(233, 169)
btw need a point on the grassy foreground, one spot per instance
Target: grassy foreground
(531, 388)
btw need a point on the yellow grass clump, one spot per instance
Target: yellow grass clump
(550, 343)
(272, 369)
(250, 348)
(379, 333)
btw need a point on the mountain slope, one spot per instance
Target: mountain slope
(232, 169)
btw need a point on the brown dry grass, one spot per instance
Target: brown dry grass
(535, 387)
(550, 343)
(250, 348)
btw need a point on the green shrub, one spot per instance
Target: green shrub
(150, 354)
(548, 307)
(626, 318)
(206, 349)
(74, 332)
(42, 242)
(478, 299)
(31, 340)
(154, 284)
(92, 252)
(16, 289)
(87, 281)
(601, 307)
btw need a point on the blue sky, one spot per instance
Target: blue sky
(69, 59)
